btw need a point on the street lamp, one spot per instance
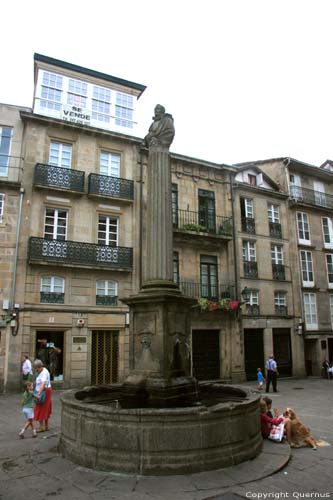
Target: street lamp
(245, 293)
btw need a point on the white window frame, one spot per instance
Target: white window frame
(108, 287)
(273, 213)
(303, 228)
(249, 251)
(60, 154)
(310, 311)
(111, 237)
(56, 284)
(248, 206)
(109, 164)
(253, 298)
(277, 254)
(57, 219)
(329, 269)
(51, 91)
(307, 271)
(280, 298)
(327, 227)
(5, 154)
(2, 206)
(124, 110)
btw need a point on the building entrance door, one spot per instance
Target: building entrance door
(50, 349)
(330, 349)
(282, 351)
(206, 354)
(254, 352)
(104, 357)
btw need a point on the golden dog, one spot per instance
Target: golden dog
(299, 434)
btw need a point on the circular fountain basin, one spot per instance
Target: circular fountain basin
(218, 431)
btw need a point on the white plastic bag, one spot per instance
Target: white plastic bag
(277, 432)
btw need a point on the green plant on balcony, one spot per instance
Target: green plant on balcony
(225, 227)
(197, 228)
(223, 304)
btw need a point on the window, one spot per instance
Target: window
(252, 303)
(331, 308)
(319, 192)
(52, 289)
(55, 226)
(295, 187)
(307, 268)
(249, 259)
(109, 164)
(303, 228)
(101, 104)
(252, 179)
(329, 266)
(277, 262)
(51, 91)
(107, 230)
(176, 267)
(310, 311)
(247, 217)
(327, 232)
(106, 293)
(206, 202)
(274, 221)
(77, 93)
(174, 201)
(124, 110)
(2, 205)
(280, 302)
(60, 155)
(5, 144)
(208, 277)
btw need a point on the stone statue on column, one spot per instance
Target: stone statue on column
(161, 131)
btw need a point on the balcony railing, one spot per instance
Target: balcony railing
(52, 298)
(186, 220)
(275, 230)
(114, 187)
(250, 269)
(311, 197)
(281, 310)
(78, 253)
(106, 300)
(59, 178)
(248, 225)
(210, 292)
(278, 271)
(252, 310)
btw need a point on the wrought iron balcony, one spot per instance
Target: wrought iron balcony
(77, 253)
(59, 178)
(210, 292)
(281, 310)
(252, 310)
(248, 225)
(52, 298)
(114, 187)
(275, 230)
(250, 269)
(187, 220)
(310, 197)
(106, 300)
(278, 271)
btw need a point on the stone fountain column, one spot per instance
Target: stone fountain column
(159, 313)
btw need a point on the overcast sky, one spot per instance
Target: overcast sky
(244, 79)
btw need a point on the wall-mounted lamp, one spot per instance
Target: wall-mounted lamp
(246, 293)
(299, 328)
(127, 319)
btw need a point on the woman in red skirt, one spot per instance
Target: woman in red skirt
(42, 411)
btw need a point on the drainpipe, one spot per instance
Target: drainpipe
(234, 237)
(12, 298)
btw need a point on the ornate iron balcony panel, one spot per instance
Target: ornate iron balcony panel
(78, 253)
(52, 298)
(114, 187)
(281, 310)
(106, 300)
(58, 177)
(278, 271)
(250, 269)
(252, 310)
(275, 230)
(248, 225)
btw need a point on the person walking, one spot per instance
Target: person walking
(28, 403)
(272, 373)
(26, 369)
(42, 411)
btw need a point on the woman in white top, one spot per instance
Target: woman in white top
(42, 411)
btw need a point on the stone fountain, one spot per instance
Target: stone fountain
(160, 420)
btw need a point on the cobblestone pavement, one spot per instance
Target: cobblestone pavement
(32, 469)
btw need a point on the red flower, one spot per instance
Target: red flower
(234, 304)
(212, 305)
